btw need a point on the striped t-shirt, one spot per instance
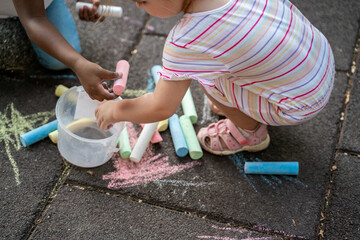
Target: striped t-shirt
(260, 56)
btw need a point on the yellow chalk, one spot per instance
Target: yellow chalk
(163, 125)
(60, 89)
(71, 126)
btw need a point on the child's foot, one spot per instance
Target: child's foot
(215, 109)
(224, 138)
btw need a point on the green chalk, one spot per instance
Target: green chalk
(190, 137)
(124, 143)
(188, 107)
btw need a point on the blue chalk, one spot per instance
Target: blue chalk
(154, 70)
(37, 134)
(275, 168)
(178, 137)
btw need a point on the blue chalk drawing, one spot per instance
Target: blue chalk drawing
(272, 181)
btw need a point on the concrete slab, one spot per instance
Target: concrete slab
(351, 123)
(28, 175)
(339, 22)
(16, 52)
(80, 214)
(344, 206)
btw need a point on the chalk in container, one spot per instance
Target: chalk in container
(73, 127)
(275, 168)
(120, 84)
(38, 134)
(103, 10)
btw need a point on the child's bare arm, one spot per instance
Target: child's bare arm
(151, 107)
(45, 35)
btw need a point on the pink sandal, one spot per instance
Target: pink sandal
(224, 138)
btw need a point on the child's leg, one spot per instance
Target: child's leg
(59, 15)
(239, 118)
(237, 133)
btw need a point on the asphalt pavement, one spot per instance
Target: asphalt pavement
(165, 196)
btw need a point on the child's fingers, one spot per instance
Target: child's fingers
(110, 75)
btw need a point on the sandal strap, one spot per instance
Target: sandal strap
(237, 134)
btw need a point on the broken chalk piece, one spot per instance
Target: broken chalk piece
(119, 85)
(163, 125)
(73, 126)
(60, 89)
(38, 134)
(275, 168)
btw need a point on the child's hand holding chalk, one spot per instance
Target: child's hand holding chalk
(95, 11)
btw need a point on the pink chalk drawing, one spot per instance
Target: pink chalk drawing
(151, 167)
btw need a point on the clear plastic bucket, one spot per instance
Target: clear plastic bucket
(80, 141)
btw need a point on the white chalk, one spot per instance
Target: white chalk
(143, 141)
(103, 10)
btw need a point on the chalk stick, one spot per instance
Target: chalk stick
(103, 10)
(188, 107)
(154, 71)
(38, 134)
(190, 137)
(124, 143)
(73, 126)
(143, 141)
(119, 85)
(163, 125)
(177, 136)
(276, 168)
(60, 89)
(156, 138)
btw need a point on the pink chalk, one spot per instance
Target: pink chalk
(156, 138)
(119, 85)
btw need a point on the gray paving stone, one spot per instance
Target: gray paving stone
(343, 220)
(112, 40)
(339, 22)
(16, 52)
(81, 214)
(28, 175)
(350, 139)
(162, 26)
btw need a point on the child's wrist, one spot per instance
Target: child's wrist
(116, 111)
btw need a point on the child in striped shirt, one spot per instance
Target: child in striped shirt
(260, 62)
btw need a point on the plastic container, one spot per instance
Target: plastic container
(84, 145)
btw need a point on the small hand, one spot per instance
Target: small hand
(90, 14)
(91, 77)
(104, 114)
